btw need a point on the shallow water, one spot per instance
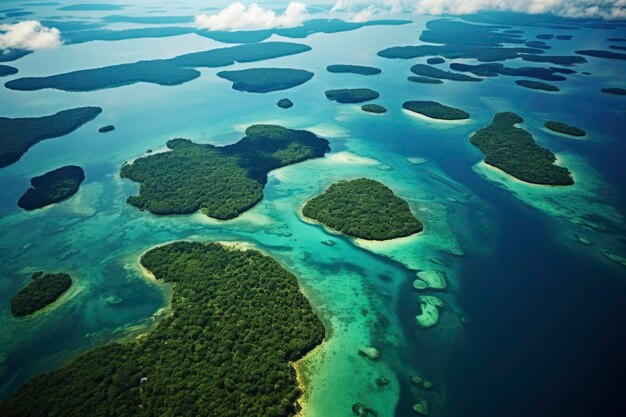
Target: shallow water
(527, 289)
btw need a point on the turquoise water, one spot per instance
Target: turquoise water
(361, 290)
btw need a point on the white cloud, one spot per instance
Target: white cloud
(237, 16)
(370, 9)
(30, 35)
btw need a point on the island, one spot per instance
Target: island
(435, 60)
(564, 37)
(374, 108)
(6, 70)
(284, 103)
(615, 90)
(423, 80)
(363, 208)
(564, 128)
(424, 70)
(514, 151)
(20, 134)
(435, 110)
(538, 44)
(537, 85)
(13, 54)
(41, 291)
(91, 7)
(493, 70)
(106, 129)
(555, 59)
(353, 69)
(221, 182)
(545, 36)
(264, 80)
(172, 71)
(602, 54)
(352, 95)
(52, 187)
(237, 322)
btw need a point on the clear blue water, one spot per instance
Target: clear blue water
(544, 313)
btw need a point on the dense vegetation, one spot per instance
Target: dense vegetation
(106, 129)
(264, 80)
(555, 59)
(423, 80)
(7, 55)
(515, 151)
(564, 128)
(171, 71)
(538, 44)
(222, 182)
(237, 321)
(284, 103)
(602, 54)
(44, 289)
(435, 61)
(363, 208)
(353, 69)
(52, 187)
(537, 85)
(424, 70)
(456, 40)
(7, 70)
(493, 70)
(352, 95)
(18, 135)
(436, 110)
(615, 90)
(374, 108)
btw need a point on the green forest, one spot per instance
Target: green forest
(352, 95)
(363, 208)
(515, 151)
(237, 321)
(52, 187)
(264, 80)
(222, 182)
(564, 128)
(436, 110)
(18, 135)
(44, 289)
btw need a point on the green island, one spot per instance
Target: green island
(365, 209)
(52, 187)
(618, 47)
(460, 40)
(237, 322)
(564, 128)
(602, 54)
(353, 69)
(106, 129)
(564, 37)
(264, 80)
(284, 103)
(423, 80)
(537, 85)
(435, 60)
(20, 134)
(169, 72)
(538, 44)
(374, 108)
(514, 151)
(495, 69)
(41, 291)
(546, 36)
(6, 70)
(615, 90)
(555, 59)
(435, 110)
(7, 55)
(352, 95)
(424, 70)
(221, 182)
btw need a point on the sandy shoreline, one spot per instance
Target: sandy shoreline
(436, 121)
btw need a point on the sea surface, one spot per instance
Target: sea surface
(534, 320)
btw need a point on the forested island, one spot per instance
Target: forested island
(352, 95)
(424, 70)
(515, 151)
(221, 182)
(52, 187)
(41, 291)
(7, 70)
(237, 321)
(423, 80)
(18, 135)
(564, 128)
(615, 90)
(264, 80)
(106, 129)
(436, 110)
(353, 69)
(365, 209)
(493, 70)
(374, 108)
(537, 85)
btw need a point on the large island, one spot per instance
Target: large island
(237, 321)
(52, 187)
(43, 290)
(363, 208)
(514, 151)
(222, 182)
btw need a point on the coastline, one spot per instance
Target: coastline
(444, 122)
